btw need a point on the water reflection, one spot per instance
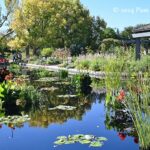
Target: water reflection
(121, 121)
(43, 117)
(116, 120)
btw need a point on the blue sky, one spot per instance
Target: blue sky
(120, 13)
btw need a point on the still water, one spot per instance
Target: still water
(89, 118)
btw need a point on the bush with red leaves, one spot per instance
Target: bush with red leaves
(5, 75)
(3, 60)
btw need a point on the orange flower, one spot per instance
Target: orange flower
(122, 93)
(121, 96)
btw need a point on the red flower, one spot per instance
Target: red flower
(136, 140)
(1, 125)
(122, 136)
(122, 93)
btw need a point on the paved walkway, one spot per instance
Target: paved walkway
(94, 74)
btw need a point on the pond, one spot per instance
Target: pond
(89, 116)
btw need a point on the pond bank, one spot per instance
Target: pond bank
(93, 74)
(73, 71)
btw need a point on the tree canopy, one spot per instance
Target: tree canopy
(39, 24)
(52, 23)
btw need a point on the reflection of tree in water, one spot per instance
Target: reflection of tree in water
(121, 121)
(44, 117)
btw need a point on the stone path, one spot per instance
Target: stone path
(94, 74)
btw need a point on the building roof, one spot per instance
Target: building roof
(143, 28)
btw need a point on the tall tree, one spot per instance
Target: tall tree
(127, 33)
(97, 32)
(51, 23)
(110, 33)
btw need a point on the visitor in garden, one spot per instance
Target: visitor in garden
(19, 56)
(14, 57)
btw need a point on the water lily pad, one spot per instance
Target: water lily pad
(60, 142)
(70, 142)
(96, 144)
(102, 139)
(62, 137)
(63, 107)
(49, 89)
(14, 119)
(85, 141)
(92, 140)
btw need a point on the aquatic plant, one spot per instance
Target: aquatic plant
(92, 140)
(82, 83)
(133, 94)
(63, 74)
(14, 119)
(63, 107)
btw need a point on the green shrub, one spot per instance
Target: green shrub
(47, 52)
(15, 69)
(63, 74)
(109, 44)
(39, 73)
(83, 64)
(43, 73)
(95, 66)
(82, 83)
(52, 61)
(30, 95)
(98, 65)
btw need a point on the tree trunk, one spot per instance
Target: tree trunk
(35, 51)
(27, 52)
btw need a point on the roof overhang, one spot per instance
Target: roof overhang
(140, 35)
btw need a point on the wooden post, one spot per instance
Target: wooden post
(138, 48)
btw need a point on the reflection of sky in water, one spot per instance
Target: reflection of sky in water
(36, 138)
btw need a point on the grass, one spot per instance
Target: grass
(137, 92)
(99, 63)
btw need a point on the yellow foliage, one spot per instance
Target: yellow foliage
(15, 43)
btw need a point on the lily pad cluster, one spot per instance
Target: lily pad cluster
(14, 119)
(91, 140)
(46, 79)
(49, 89)
(63, 107)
